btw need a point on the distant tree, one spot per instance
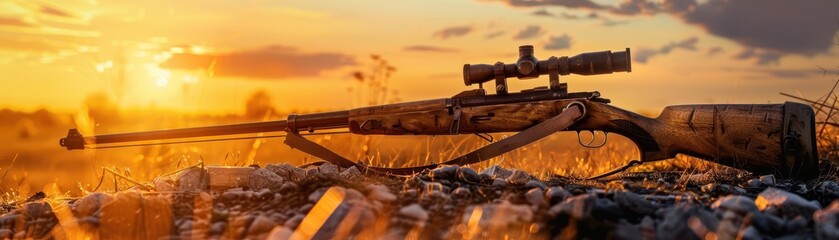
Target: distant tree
(259, 105)
(101, 108)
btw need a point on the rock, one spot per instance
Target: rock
(789, 205)
(444, 172)
(353, 194)
(684, 221)
(286, 171)
(751, 233)
(351, 173)
(766, 223)
(295, 221)
(535, 196)
(576, 207)
(755, 183)
(415, 212)
(739, 204)
(90, 204)
(380, 193)
(329, 169)
(826, 222)
(262, 179)
(634, 203)
(260, 225)
(499, 183)
(535, 184)
(289, 187)
(461, 193)
(647, 228)
(626, 231)
(498, 216)
(280, 233)
(518, 177)
(468, 175)
(556, 194)
(827, 191)
(496, 171)
(163, 185)
(193, 179)
(768, 180)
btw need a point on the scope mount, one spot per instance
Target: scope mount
(528, 67)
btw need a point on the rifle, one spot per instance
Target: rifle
(762, 138)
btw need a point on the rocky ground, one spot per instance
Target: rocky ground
(280, 201)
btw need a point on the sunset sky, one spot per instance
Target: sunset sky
(208, 56)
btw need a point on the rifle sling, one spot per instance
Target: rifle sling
(560, 122)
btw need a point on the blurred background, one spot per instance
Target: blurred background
(117, 66)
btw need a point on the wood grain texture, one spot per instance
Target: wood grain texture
(746, 136)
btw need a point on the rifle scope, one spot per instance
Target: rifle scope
(527, 66)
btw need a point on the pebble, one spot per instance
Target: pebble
(518, 177)
(351, 173)
(789, 205)
(827, 191)
(556, 195)
(294, 221)
(163, 185)
(90, 204)
(468, 175)
(414, 211)
(329, 169)
(768, 180)
(498, 216)
(755, 183)
(535, 196)
(261, 179)
(684, 221)
(280, 232)
(827, 221)
(193, 179)
(634, 203)
(577, 207)
(380, 193)
(461, 193)
(535, 184)
(444, 172)
(499, 183)
(739, 204)
(261, 225)
(496, 171)
(289, 187)
(287, 171)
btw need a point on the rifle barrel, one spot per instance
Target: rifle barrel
(315, 121)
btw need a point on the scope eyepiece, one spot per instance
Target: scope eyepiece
(527, 66)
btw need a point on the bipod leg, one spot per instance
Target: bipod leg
(565, 119)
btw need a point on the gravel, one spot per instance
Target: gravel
(448, 202)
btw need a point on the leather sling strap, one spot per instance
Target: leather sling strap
(560, 122)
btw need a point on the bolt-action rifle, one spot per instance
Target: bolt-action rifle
(762, 138)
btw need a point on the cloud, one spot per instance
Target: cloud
(760, 57)
(426, 48)
(457, 31)
(635, 7)
(778, 26)
(272, 62)
(557, 43)
(585, 4)
(714, 50)
(793, 28)
(529, 32)
(543, 13)
(644, 54)
(494, 34)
